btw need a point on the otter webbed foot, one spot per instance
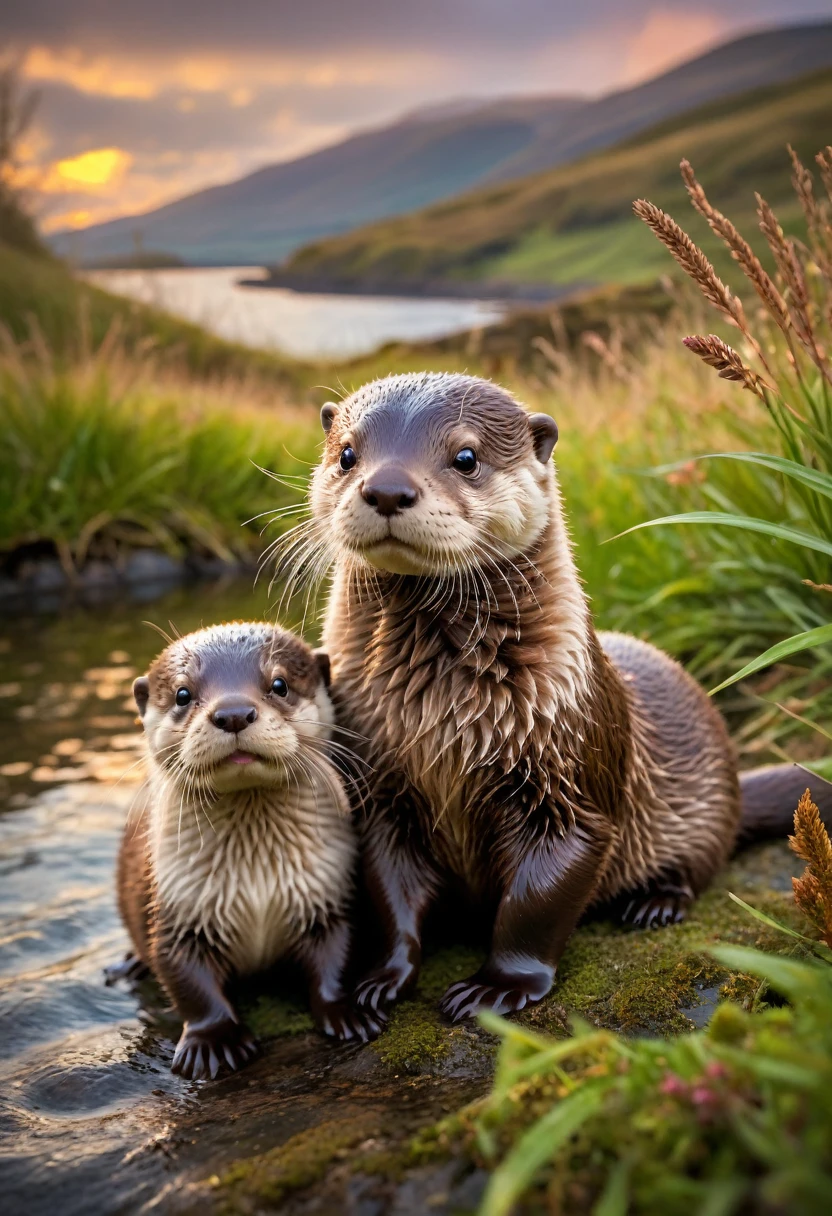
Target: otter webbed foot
(656, 905)
(340, 1020)
(130, 968)
(501, 991)
(205, 1048)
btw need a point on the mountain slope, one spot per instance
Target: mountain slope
(436, 154)
(574, 224)
(263, 216)
(768, 58)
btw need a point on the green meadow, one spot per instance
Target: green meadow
(574, 223)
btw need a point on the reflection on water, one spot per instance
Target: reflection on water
(305, 325)
(81, 1080)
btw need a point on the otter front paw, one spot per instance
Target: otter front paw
(384, 986)
(504, 994)
(340, 1020)
(204, 1049)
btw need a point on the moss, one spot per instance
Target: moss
(445, 967)
(414, 1037)
(271, 1017)
(303, 1159)
(644, 981)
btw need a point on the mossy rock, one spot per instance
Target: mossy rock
(273, 1017)
(302, 1160)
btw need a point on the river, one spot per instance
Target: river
(303, 325)
(92, 1121)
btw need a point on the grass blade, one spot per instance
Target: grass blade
(513, 1176)
(821, 636)
(814, 479)
(811, 637)
(748, 523)
(819, 948)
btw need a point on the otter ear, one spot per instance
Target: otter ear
(328, 413)
(322, 659)
(544, 436)
(141, 693)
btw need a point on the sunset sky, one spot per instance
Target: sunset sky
(141, 103)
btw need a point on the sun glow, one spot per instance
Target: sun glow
(95, 168)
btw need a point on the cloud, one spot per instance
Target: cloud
(98, 168)
(668, 37)
(201, 91)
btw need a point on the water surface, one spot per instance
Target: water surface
(304, 325)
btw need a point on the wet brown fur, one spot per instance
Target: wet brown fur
(512, 748)
(190, 928)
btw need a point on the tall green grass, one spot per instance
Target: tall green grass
(108, 454)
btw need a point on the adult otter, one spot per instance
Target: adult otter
(244, 849)
(546, 767)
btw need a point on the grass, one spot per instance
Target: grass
(110, 447)
(573, 223)
(103, 456)
(732, 1119)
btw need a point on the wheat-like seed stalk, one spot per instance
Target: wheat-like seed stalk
(824, 160)
(813, 890)
(728, 363)
(794, 277)
(740, 249)
(693, 261)
(804, 189)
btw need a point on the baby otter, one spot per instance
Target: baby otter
(512, 748)
(244, 848)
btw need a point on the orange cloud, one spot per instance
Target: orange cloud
(668, 37)
(88, 74)
(99, 167)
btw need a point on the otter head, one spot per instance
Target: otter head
(434, 473)
(235, 707)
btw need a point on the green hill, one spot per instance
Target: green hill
(574, 224)
(40, 299)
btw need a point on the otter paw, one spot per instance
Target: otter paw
(653, 909)
(339, 1020)
(130, 968)
(469, 997)
(383, 987)
(203, 1050)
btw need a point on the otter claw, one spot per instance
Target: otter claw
(469, 997)
(200, 1053)
(657, 909)
(340, 1021)
(380, 988)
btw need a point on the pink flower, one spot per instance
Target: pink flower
(673, 1086)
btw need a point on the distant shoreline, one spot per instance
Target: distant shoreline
(491, 291)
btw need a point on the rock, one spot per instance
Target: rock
(150, 566)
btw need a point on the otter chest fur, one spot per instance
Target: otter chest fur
(243, 848)
(255, 872)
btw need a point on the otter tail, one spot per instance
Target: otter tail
(769, 799)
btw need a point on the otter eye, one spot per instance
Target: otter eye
(465, 460)
(183, 696)
(280, 686)
(348, 459)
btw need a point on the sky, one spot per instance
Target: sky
(141, 103)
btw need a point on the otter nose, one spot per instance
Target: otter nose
(390, 490)
(234, 717)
